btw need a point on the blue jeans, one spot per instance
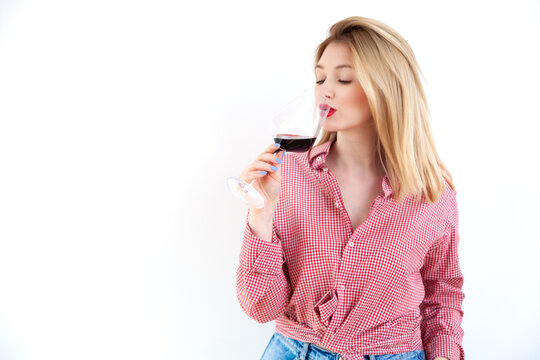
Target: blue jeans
(282, 347)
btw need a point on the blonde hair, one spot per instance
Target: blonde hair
(387, 70)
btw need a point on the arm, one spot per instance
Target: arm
(262, 285)
(441, 309)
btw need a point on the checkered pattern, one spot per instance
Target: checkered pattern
(392, 285)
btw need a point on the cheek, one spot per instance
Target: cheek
(356, 102)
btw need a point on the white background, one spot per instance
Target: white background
(120, 120)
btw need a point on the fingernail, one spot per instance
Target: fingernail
(276, 144)
(263, 172)
(279, 160)
(273, 168)
(284, 151)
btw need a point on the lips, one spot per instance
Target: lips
(325, 107)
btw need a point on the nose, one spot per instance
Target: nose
(325, 99)
(326, 92)
(320, 98)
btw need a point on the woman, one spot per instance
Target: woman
(355, 254)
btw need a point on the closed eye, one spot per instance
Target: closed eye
(341, 81)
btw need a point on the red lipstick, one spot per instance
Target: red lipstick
(325, 107)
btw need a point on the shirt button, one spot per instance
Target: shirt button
(351, 243)
(336, 203)
(342, 287)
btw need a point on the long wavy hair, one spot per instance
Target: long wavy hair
(386, 68)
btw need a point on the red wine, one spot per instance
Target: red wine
(294, 143)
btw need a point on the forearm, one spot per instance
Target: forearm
(262, 285)
(441, 309)
(263, 297)
(261, 220)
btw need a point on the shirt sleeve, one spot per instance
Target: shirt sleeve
(262, 284)
(443, 281)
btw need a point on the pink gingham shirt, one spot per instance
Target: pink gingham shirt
(391, 286)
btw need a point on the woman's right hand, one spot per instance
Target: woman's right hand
(267, 179)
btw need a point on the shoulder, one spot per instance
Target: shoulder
(448, 195)
(439, 213)
(296, 162)
(297, 177)
(308, 159)
(299, 157)
(447, 204)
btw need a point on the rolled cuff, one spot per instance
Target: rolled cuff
(444, 346)
(260, 255)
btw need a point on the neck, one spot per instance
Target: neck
(355, 152)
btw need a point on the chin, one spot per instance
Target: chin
(342, 125)
(329, 125)
(335, 127)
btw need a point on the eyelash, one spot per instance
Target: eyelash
(341, 81)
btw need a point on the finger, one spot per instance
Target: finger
(271, 148)
(251, 175)
(259, 165)
(270, 158)
(274, 149)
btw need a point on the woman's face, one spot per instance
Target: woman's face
(341, 89)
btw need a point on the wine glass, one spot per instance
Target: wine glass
(295, 127)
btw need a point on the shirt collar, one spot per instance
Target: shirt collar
(317, 162)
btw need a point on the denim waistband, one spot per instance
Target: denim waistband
(322, 348)
(303, 347)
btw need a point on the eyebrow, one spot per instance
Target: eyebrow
(337, 67)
